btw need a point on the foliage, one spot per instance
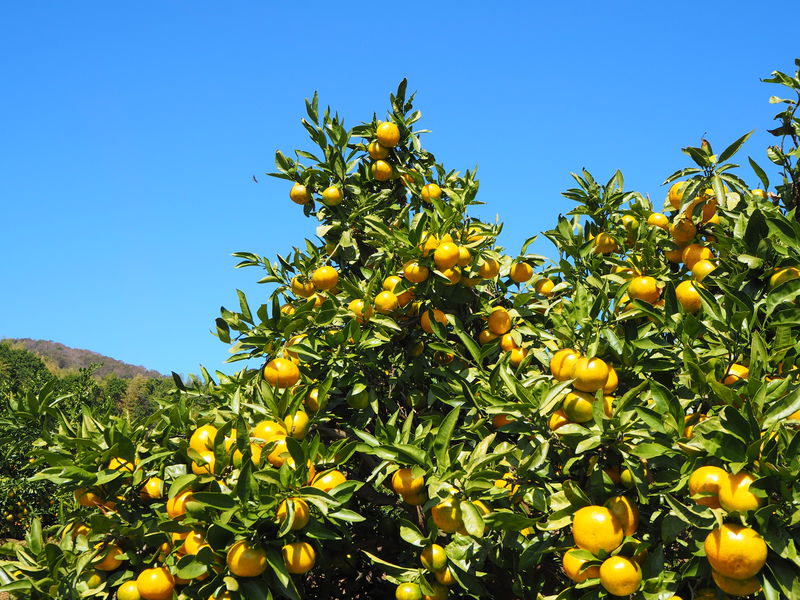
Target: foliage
(460, 428)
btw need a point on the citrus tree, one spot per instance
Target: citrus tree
(433, 417)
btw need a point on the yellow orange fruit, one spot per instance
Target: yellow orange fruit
(415, 272)
(203, 438)
(325, 278)
(155, 584)
(735, 494)
(683, 230)
(281, 373)
(544, 287)
(445, 255)
(388, 134)
(433, 557)
(300, 194)
(302, 515)
(176, 506)
(489, 268)
(782, 275)
(328, 480)
(626, 512)
(595, 528)
(299, 557)
(736, 587)
(521, 272)
(431, 191)
(644, 288)
(376, 151)
(620, 575)
(688, 296)
(499, 321)
(735, 373)
(605, 244)
(735, 551)
(108, 559)
(332, 196)
(589, 374)
(447, 515)
(702, 269)
(382, 170)
(658, 220)
(577, 406)
(707, 480)
(563, 362)
(675, 194)
(438, 316)
(404, 482)
(574, 567)
(694, 253)
(246, 560)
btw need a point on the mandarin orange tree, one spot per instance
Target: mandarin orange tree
(432, 418)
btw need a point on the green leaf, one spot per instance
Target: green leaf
(441, 444)
(734, 147)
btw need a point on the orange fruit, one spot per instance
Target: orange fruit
(328, 480)
(357, 308)
(644, 288)
(445, 256)
(415, 272)
(176, 506)
(155, 584)
(489, 268)
(128, 591)
(620, 575)
(453, 275)
(735, 551)
(300, 194)
(626, 513)
(612, 382)
(499, 321)
(246, 560)
(281, 373)
(675, 194)
(299, 557)
(87, 498)
(376, 151)
(520, 272)
(302, 287)
(332, 195)
(120, 464)
(516, 356)
(573, 567)
(302, 515)
(736, 587)
(674, 256)
(438, 316)
(707, 480)
(683, 230)
(408, 591)
(431, 191)
(577, 406)
(589, 374)
(658, 220)
(507, 342)
(325, 278)
(486, 336)
(445, 576)
(735, 373)
(464, 256)
(203, 438)
(605, 244)
(735, 494)
(447, 515)
(440, 592)
(388, 134)
(382, 170)
(595, 528)
(433, 557)
(108, 559)
(268, 430)
(544, 287)
(694, 253)
(782, 275)
(562, 363)
(404, 482)
(386, 303)
(688, 296)
(206, 467)
(558, 419)
(391, 282)
(296, 425)
(702, 269)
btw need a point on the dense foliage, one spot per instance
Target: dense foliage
(433, 419)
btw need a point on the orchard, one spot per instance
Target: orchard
(434, 417)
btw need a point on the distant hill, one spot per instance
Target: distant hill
(65, 357)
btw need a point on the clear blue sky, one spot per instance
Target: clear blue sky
(130, 133)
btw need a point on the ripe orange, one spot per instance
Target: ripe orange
(626, 513)
(486, 336)
(176, 506)
(128, 591)
(589, 374)
(388, 134)
(489, 268)
(464, 256)
(332, 196)
(386, 303)
(735, 373)
(736, 587)
(544, 287)
(325, 278)
(431, 191)
(447, 515)
(707, 480)
(694, 253)
(382, 170)
(499, 321)
(299, 557)
(430, 242)
(620, 575)
(563, 362)
(433, 557)
(108, 559)
(702, 269)
(445, 576)
(120, 464)
(155, 584)
(507, 342)
(644, 288)
(328, 480)
(782, 275)
(268, 430)
(683, 230)
(302, 287)
(595, 528)
(735, 494)
(735, 551)
(445, 256)
(203, 438)
(573, 567)
(415, 272)
(281, 373)
(453, 275)
(612, 382)
(206, 466)
(688, 296)
(377, 151)
(296, 425)
(87, 498)
(605, 244)
(658, 220)
(300, 194)
(438, 316)
(521, 272)
(408, 591)
(675, 194)
(558, 419)
(516, 356)
(674, 256)
(577, 406)
(246, 560)
(302, 515)
(404, 482)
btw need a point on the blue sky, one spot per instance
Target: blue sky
(130, 134)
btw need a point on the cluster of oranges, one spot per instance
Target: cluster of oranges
(589, 375)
